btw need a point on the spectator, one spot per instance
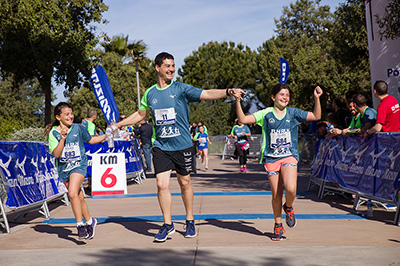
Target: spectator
(388, 114)
(355, 123)
(367, 114)
(145, 132)
(88, 123)
(341, 110)
(321, 131)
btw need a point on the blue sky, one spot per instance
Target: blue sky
(181, 26)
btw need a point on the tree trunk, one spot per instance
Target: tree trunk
(45, 83)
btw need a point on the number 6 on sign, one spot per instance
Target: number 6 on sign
(109, 174)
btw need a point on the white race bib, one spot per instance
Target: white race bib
(280, 140)
(70, 154)
(165, 116)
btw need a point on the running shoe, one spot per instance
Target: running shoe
(290, 219)
(241, 169)
(245, 169)
(82, 232)
(278, 233)
(206, 167)
(165, 230)
(190, 229)
(90, 228)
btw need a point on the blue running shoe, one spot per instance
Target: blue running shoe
(90, 228)
(190, 229)
(165, 230)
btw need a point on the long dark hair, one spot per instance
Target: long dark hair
(277, 88)
(57, 111)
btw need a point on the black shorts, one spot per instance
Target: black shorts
(180, 161)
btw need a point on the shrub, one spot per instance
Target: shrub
(8, 126)
(28, 134)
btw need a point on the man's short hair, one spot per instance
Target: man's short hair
(360, 100)
(381, 87)
(161, 57)
(91, 113)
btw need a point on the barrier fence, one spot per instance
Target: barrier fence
(367, 167)
(29, 178)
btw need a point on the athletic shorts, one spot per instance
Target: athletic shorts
(275, 167)
(180, 161)
(64, 176)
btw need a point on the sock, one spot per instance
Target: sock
(80, 224)
(90, 221)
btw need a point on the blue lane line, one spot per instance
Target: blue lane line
(234, 193)
(203, 217)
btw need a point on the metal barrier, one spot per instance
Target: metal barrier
(224, 146)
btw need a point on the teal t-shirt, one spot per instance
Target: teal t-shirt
(237, 131)
(73, 154)
(90, 127)
(170, 111)
(280, 135)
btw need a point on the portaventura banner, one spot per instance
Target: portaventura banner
(30, 173)
(104, 95)
(384, 54)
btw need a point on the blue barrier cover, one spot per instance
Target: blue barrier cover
(131, 149)
(30, 172)
(370, 166)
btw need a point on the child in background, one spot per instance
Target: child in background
(280, 127)
(66, 144)
(202, 138)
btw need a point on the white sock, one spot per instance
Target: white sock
(90, 221)
(80, 224)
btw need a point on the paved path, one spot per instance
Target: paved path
(234, 224)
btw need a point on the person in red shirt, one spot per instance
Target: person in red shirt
(388, 117)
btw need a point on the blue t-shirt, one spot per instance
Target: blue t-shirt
(369, 115)
(73, 154)
(280, 135)
(202, 137)
(237, 131)
(170, 110)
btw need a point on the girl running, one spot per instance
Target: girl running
(279, 151)
(66, 144)
(202, 138)
(240, 133)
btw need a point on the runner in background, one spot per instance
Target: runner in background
(280, 155)
(240, 132)
(202, 138)
(88, 123)
(66, 144)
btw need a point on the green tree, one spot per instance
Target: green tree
(121, 72)
(219, 66)
(48, 39)
(390, 21)
(328, 50)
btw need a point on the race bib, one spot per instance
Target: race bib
(203, 140)
(165, 116)
(280, 140)
(70, 154)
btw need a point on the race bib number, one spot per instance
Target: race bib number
(280, 140)
(70, 154)
(165, 116)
